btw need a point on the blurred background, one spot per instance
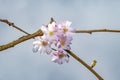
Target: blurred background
(20, 63)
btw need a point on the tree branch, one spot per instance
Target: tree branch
(40, 33)
(19, 40)
(85, 64)
(97, 30)
(13, 25)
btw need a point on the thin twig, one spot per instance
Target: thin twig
(40, 33)
(85, 64)
(19, 40)
(13, 25)
(24, 38)
(97, 30)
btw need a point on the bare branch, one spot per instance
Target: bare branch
(97, 30)
(13, 25)
(85, 64)
(19, 40)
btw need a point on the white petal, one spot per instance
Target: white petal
(44, 29)
(60, 61)
(54, 58)
(48, 50)
(36, 42)
(68, 23)
(35, 49)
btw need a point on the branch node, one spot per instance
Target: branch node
(10, 24)
(90, 33)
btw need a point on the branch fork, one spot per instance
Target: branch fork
(40, 33)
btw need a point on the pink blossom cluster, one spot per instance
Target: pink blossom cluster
(56, 39)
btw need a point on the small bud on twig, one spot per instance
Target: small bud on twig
(93, 63)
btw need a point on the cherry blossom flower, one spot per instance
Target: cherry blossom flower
(64, 42)
(42, 45)
(60, 57)
(57, 35)
(50, 31)
(65, 27)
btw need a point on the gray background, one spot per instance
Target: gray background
(20, 63)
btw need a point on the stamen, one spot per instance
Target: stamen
(50, 33)
(65, 30)
(62, 43)
(60, 55)
(44, 43)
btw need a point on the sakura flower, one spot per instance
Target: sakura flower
(42, 45)
(60, 57)
(50, 31)
(65, 27)
(64, 42)
(58, 36)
